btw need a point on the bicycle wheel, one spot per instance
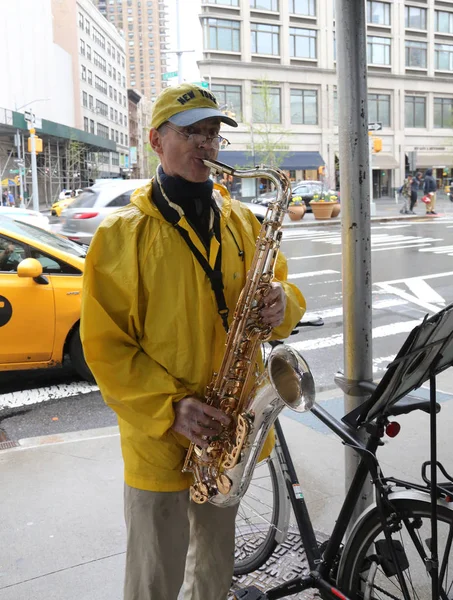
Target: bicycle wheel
(256, 520)
(367, 570)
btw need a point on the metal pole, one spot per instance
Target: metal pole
(34, 171)
(21, 165)
(178, 44)
(355, 209)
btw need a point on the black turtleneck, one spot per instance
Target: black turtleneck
(193, 198)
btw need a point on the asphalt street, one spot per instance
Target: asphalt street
(412, 273)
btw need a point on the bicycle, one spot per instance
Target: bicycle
(401, 546)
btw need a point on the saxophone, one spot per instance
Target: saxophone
(223, 470)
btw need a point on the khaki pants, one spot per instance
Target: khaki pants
(430, 206)
(171, 540)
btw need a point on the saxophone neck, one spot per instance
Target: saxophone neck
(277, 176)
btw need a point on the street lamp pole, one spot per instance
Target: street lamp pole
(34, 170)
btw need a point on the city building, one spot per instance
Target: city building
(135, 134)
(42, 80)
(143, 24)
(102, 86)
(273, 64)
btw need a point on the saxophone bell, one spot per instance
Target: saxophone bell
(291, 378)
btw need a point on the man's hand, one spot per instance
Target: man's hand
(196, 420)
(274, 308)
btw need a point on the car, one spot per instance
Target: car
(25, 215)
(81, 219)
(64, 200)
(40, 299)
(305, 189)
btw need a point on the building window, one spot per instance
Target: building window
(115, 159)
(90, 77)
(87, 26)
(90, 102)
(102, 108)
(265, 39)
(378, 13)
(415, 17)
(85, 99)
(264, 4)
(415, 110)
(110, 91)
(88, 52)
(303, 7)
(443, 57)
(302, 42)
(378, 50)
(225, 2)
(81, 20)
(91, 126)
(379, 109)
(304, 107)
(121, 138)
(444, 21)
(125, 139)
(100, 85)
(82, 47)
(85, 124)
(103, 131)
(221, 35)
(266, 104)
(84, 73)
(443, 113)
(416, 54)
(229, 98)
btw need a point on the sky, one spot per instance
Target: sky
(191, 38)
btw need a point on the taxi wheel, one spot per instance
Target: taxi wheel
(77, 358)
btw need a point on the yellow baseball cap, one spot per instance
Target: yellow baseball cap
(186, 104)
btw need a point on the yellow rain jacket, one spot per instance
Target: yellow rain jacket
(150, 328)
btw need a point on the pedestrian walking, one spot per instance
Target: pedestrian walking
(153, 335)
(415, 184)
(405, 191)
(11, 201)
(430, 189)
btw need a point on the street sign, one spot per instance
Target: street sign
(203, 84)
(14, 171)
(169, 75)
(375, 126)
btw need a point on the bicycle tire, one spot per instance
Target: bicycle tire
(248, 556)
(363, 564)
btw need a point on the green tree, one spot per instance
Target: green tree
(268, 140)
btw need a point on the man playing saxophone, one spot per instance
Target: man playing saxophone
(154, 330)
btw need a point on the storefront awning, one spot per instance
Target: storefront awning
(290, 160)
(430, 160)
(384, 160)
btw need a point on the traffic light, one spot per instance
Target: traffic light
(377, 144)
(38, 144)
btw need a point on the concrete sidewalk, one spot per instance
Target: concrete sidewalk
(61, 520)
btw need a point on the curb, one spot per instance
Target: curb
(377, 219)
(63, 438)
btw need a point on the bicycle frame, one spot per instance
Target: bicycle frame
(321, 564)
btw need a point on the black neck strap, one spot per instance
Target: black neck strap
(214, 275)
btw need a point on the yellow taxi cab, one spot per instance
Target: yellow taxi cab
(59, 206)
(40, 298)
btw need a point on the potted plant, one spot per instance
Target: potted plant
(296, 208)
(323, 205)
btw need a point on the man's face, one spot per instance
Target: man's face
(180, 156)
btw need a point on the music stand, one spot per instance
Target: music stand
(427, 351)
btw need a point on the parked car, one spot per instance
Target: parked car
(306, 189)
(40, 298)
(25, 215)
(81, 219)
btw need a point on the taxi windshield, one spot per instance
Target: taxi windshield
(44, 237)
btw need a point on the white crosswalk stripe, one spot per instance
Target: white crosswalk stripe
(439, 250)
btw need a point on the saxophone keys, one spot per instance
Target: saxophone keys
(199, 493)
(223, 483)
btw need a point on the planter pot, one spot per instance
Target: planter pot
(322, 210)
(336, 210)
(296, 213)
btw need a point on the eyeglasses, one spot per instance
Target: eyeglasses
(197, 139)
